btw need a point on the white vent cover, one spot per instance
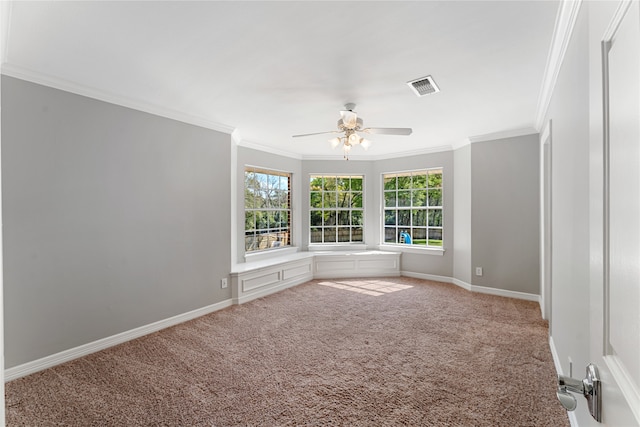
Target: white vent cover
(423, 86)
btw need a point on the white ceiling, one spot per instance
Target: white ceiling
(275, 69)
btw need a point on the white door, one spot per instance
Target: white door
(615, 292)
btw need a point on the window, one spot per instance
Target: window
(336, 212)
(267, 209)
(413, 208)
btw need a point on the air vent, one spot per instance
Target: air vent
(423, 86)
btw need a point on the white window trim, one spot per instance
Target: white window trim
(266, 253)
(430, 250)
(416, 249)
(337, 246)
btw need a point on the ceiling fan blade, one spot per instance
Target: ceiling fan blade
(349, 118)
(317, 133)
(388, 131)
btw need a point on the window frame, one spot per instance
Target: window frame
(420, 248)
(282, 235)
(351, 225)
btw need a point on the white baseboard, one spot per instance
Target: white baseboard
(573, 420)
(474, 288)
(505, 293)
(463, 285)
(101, 344)
(424, 276)
(554, 355)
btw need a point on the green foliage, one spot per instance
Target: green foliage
(316, 199)
(390, 199)
(356, 200)
(419, 181)
(266, 200)
(356, 218)
(419, 198)
(419, 217)
(329, 199)
(435, 217)
(390, 183)
(404, 217)
(336, 207)
(404, 182)
(356, 184)
(329, 183)
(315, 184)
(435, 179)
(390, 217)
(435, 197)
(249, 220)
(404, 198)
(316, 218)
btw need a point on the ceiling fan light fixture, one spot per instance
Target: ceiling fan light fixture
(349, 119)
(349, 126)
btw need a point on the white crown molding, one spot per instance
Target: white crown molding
(502, 135)
(67, 86)
(460, 144)
(5, 22)
(565, 22)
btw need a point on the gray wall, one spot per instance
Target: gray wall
(113, 219)
(505, 205)
(462, 214)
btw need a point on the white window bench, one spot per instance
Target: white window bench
(256, 279)
(260, 278)
(336, 264)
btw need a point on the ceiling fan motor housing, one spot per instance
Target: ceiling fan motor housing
(343, 126)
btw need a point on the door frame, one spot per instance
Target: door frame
(545, 222)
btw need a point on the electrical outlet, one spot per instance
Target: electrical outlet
(478, 271)
(223, 283)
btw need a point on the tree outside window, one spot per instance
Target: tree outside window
(267, 209)
(336, 209)
(413, 208)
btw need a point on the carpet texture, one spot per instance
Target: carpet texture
(357, 352)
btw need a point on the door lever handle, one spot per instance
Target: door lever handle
(570, 384)
(589, 387)
(567, 399)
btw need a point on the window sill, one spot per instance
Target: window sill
(323, 247)
(270, 253)
(413, 249)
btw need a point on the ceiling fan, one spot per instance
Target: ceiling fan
(350, 125)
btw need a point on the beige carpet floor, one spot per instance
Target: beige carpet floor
(357, 352)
